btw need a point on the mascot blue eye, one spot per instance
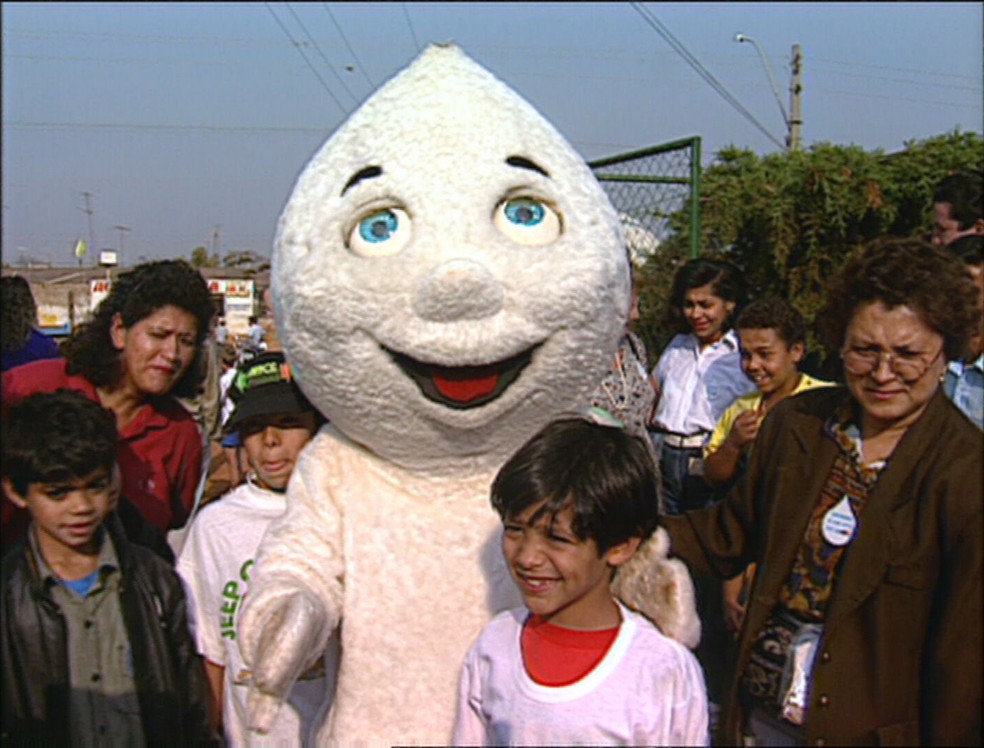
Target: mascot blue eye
(381, 233)
(524, 212)
(379, 227)
(528, 221)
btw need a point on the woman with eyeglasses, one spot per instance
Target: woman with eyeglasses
(862, 507)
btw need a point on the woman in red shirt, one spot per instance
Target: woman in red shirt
(134, 356)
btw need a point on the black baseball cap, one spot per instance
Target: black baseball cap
(265, 386)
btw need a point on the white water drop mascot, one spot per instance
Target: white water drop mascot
(448, 276)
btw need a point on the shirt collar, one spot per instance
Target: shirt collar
(108, 560)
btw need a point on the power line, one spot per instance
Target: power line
(413, 34)
(322, 54)
(664, 32)
(314, 70)
(348, 46)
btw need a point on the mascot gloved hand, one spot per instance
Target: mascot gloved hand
(448, 277)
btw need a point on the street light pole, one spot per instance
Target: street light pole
(122, 230)
(794, 122)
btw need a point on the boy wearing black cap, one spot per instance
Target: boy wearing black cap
(275, 421)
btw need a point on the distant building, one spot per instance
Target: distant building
(66, 296)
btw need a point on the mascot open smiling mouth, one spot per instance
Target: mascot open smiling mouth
(448, 277)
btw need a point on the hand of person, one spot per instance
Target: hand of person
(734, 615)
(279, 645)
(745, 429)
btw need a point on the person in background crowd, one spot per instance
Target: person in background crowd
(957, 207)
(94, 639)
(275, 421)
(862, 507)
(772, 337)
(134, 356)
(625, 391)
(699, 375)
(22, 342)
(229, 440)
(964, 382)
(221, 332)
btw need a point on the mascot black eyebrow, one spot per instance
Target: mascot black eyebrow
(448, 276)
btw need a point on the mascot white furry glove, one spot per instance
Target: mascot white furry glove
(448, 277)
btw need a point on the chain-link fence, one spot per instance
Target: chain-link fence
(656, 191)
(648, 186)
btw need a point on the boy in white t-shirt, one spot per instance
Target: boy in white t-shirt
(575, 666)
(275, 421)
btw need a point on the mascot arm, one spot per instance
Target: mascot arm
(295, 594)
(661, 589)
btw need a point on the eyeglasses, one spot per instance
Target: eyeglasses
(909, 367)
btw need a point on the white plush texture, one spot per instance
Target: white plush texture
(389, 532)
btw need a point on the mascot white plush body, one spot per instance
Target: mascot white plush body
(448, 276)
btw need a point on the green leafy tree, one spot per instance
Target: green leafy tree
(791, 219)
(200, 258)
(247, 259)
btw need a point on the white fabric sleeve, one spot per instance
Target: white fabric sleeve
(689, 716)
(469, 722)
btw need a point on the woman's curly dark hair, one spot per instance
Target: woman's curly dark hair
(19, 312)
(724, 279)
(135, 295)
(905, 272)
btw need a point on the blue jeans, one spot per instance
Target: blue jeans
(682, 490)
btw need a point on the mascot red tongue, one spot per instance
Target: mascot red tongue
(445, 225)
(467, 385)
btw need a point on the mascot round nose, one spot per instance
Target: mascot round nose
(457, 290)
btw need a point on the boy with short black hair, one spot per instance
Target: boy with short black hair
(575, 666)
(94, 637)
(274, 421)
(772, 342)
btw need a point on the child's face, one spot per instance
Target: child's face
(67, 515)
(561, 577)
(706, 313)
(768, 361)
(273, 443)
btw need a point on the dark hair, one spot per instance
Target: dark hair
(909, 272)
(773, 313)
(51, 437)
(969, 248)
(19, 312)
(723, 277)
(135, 295)
(602, 472)
(962, 190)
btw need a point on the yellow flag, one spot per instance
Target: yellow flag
(81, 248)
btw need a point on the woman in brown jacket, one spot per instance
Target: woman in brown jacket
(862, 507)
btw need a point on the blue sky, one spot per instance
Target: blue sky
(189, 122)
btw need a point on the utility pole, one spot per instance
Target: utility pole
(122, 230)
(92, 233)
(795, 136)
(215, 240)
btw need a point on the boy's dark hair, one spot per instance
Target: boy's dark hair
(50, 437)
(603, 473)
(969, 248)
(962, 190)
(724, 279)
(135, 295)
(773, 313)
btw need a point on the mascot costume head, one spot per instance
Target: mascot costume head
(448, 277)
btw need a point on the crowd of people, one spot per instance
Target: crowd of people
(833, 528)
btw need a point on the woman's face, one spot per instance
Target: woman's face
(157, 350)
(906, 362)
(706, 313)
